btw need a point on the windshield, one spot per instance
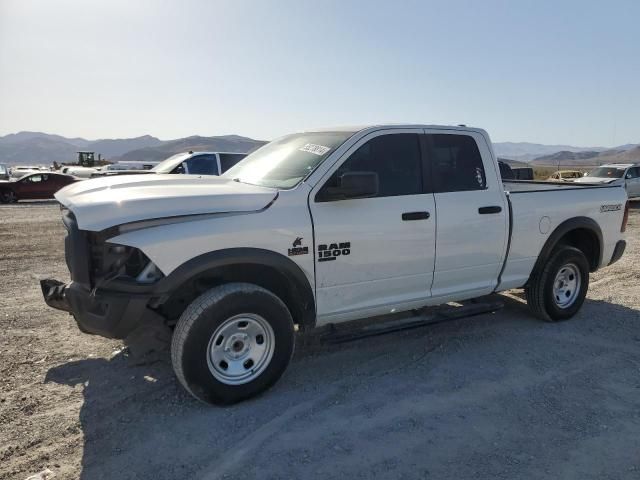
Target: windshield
(607, 172)
(285, 162)
(170, 163)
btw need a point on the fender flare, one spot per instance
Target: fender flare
(298, 283)
(560, 231)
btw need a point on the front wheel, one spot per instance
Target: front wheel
(558, 290)
(232, 342)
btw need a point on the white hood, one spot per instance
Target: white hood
(106, 202)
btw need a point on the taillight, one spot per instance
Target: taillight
(625, 217)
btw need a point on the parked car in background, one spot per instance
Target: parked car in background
(78, 171)
(22, 170)
(125, 166)
(34, 186)
(522, 173)
(565, 176)
(627, 174)
(190, 163)
(4, 172)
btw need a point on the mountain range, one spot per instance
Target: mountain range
(622, 154)
(26, 148)
(36, 148)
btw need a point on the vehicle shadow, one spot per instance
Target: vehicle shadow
(138, 422)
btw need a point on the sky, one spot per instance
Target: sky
(554, 72)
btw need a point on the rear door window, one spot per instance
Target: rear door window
(456, 163)
(202, 165)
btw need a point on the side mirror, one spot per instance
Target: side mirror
(351, 185)
(628, 176)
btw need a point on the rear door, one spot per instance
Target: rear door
(633, 183)
(472, 216)
(375, 255)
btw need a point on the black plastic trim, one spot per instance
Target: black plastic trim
(618, 251)
(489, 210)
(560, 231)
(408, 216)
(297, 280)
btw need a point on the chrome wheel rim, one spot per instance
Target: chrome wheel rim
(240, 349)
(566, 285)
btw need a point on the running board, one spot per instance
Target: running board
(428, 316)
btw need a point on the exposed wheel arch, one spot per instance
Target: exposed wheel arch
(582, 233)
(267, 269)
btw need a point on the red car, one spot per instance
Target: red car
(34, 186)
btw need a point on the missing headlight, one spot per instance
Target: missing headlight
(150, 274)
(112, 261)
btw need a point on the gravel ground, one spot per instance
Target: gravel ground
(495, 396)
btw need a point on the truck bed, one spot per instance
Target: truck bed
(528, 186)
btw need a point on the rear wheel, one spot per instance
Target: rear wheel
(8, 196)
(232, 342)
(557, 291)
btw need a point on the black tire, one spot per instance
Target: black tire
(193, 337)
(540, 292)
(7, 196)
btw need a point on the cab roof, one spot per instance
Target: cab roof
(378, 126)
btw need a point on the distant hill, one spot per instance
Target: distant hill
(36, 148)
(226, 143)
(525, 151)
(15, 138)
(113, 148)
(631, 154)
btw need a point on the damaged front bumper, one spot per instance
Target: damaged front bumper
(110, 314)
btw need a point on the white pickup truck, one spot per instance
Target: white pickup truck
(317, 228)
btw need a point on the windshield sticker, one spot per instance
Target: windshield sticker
(315, 149)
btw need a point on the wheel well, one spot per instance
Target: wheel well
(587, 242)
(265, 276)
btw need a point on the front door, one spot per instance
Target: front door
(31, 186)
(375, 255)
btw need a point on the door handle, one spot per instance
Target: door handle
(489, 210)
(415, 216)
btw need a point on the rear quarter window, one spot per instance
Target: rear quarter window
(228, 160)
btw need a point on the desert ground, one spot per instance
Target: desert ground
(499, 395)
